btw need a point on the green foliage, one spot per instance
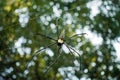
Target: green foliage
(20, 20)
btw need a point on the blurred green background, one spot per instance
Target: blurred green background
(20, 20)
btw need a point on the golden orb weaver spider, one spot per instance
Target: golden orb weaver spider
(60, 41)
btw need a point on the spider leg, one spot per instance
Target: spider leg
(37, 52)
(57, 27)
(45, 36)
(54, 60)
(78, 35)
(78, 55)
(74, 50)
(69, 50)
(70, 38)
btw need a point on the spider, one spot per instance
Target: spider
(60, 41)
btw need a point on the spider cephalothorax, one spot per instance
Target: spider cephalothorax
(60, 42)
